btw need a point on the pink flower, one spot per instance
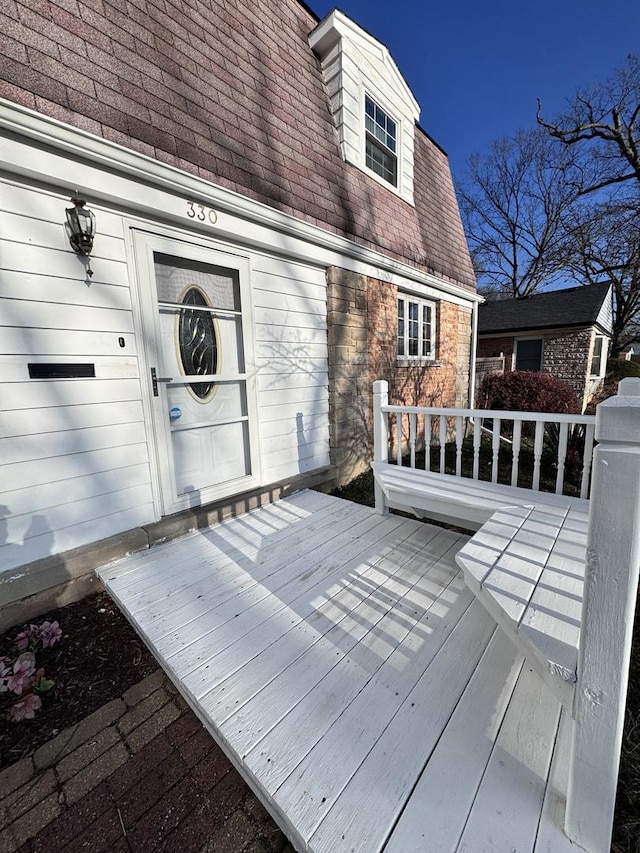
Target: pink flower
(23, 669)
(23, 639)
(49, 633)
(25, 708)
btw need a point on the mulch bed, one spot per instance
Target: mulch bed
(97, 659)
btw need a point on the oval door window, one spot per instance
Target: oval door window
(197, 342)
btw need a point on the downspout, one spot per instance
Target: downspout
(472, 355)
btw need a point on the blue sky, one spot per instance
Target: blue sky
(476, 69)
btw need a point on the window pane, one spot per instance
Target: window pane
(413, 328)
(381, 141)
(529, 355)
(380, 161)
(426, 330)
(596, 361)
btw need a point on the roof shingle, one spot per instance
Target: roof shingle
(575, 306)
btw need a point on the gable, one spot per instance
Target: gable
(355, 66)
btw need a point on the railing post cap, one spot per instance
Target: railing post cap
(618, 417)
(380, 386)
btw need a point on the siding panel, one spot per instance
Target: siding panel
(73, 453)
(78, 468)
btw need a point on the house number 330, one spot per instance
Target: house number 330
(201, 213)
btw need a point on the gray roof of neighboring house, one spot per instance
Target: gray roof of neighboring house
(554, 309)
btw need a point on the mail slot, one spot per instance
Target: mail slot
(61, 371)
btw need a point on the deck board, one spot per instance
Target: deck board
(343, 665)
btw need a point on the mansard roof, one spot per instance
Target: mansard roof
(233, 93)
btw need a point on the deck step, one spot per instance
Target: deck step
(526, 565)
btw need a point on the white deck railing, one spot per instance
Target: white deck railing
(536, 433)
(612, 568)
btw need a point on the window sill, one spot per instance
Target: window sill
(418, 362)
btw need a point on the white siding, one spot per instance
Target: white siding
(74, 459)
(289, 302)
(605, 315)
(73, 453)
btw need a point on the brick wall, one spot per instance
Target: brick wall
(231, 92)
(489, 347)
(363, 348)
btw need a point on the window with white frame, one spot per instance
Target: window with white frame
(416, 328)
(597, 359)
(381, 141)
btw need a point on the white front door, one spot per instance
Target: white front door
(194, 310)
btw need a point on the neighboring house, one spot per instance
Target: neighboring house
(269, 218)
(566, 333)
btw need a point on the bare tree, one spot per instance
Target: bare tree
(514, 203)
(603, 122)
(607, 250)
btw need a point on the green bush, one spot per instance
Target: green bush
(525, 391)
(617, 369)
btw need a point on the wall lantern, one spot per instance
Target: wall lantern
(81, 228)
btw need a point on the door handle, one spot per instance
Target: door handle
(155, 379)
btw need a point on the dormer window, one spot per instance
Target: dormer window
(380, 142)
(374, 110)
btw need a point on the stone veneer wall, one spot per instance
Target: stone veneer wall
(362, 322)
(349, 390)
(566, 356)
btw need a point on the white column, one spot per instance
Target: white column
(611, 583)
(380, 436)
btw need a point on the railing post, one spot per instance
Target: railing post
(611, 582)
(380, 436)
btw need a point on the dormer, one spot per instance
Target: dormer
(373, 108)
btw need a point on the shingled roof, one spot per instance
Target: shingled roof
(233, 93)
(554, 309)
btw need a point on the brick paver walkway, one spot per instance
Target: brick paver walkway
(141, 774)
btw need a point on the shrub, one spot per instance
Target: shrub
(525, 391)
(618, 369)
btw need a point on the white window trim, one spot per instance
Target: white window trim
(367, 91)
(431, 356)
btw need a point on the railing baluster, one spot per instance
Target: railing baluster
(477, 438)
(414, 422)
(515, 447)
(459, 436)
(427, 442)
(563, 441)
(412, 438)
(537, 454)
(495, 449)
(587, 458)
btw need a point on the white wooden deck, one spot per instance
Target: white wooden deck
(343, 665)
